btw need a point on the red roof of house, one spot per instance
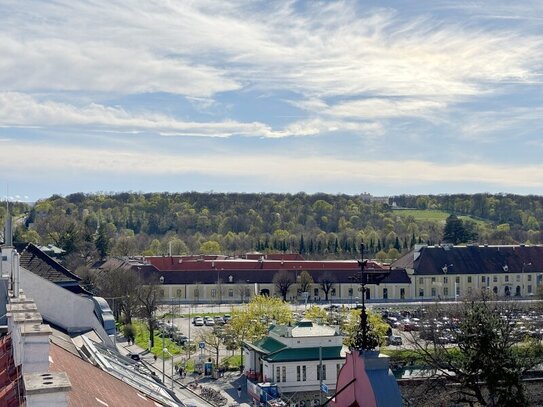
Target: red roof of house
(166, 263)
(11, 383)
(92, 386)
(177, 270)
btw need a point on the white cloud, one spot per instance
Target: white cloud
(21, 110)
(65, 65)
(275, 170)
(376, 108)
(486, 125)
(201, 48)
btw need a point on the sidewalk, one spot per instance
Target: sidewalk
(227, 385)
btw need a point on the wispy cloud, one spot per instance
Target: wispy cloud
(492, 124)
(21, 110)
(407, 82)
(267, 167)
(202, 48)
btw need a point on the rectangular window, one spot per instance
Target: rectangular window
(433, 292)
(277, 374)
(529, 288)
(495, 279)
(446, 291)
(161, 293)
(213, 292)
(518, 277)
(469, 279)
(506, 279)
(196, 292)
(421, 280)
(402, 293)
(433, 279)
(350, 292)
(284, 371)
(529, 277)
(316, 292)
(385, 293)
(230, 292)
(323, 372)
(304, 373)
(179, 293)
(457, 280)
(457, 290)
(333, 292)
(421, 292)
(298, 373)
(483, 279)
(446, 280)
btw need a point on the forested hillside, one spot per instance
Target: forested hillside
(90, 226)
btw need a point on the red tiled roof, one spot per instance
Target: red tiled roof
(11, 383)
(179, 271)
(92, 386)
(274, 256)
(166, 263)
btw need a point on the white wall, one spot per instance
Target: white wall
(62, 307)
(311, 383)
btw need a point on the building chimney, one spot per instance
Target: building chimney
(46, 389)
(8, 230)
(35, 339)
(16, 322)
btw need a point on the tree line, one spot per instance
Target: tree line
(93, 226)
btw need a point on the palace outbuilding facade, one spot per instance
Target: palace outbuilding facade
(441, 272)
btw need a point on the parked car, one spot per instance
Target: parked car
(199, 321)
(181, 339)
(209, 321)
(394, 340)
(227, 317)
(219, 320)
(170, 329)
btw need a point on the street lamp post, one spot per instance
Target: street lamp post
(188, 343)
(163, 361)
(171, 377)
(364, 339)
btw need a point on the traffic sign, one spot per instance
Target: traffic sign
(202, 345)
(324, 388)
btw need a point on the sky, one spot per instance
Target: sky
(385, 97)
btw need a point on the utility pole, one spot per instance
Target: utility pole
(190, 323)
(163, 359)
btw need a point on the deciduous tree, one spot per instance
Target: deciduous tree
(327, 282)
(282, 281)
(305, 281)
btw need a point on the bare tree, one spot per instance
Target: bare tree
(282, 281)
(213, 340)
(120, 287)
(148, 298)
(197, 291)
(242, 288)
(327, 282)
